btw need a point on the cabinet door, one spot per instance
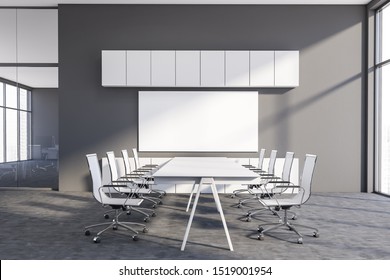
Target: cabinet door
(113, 68)
(163, 68)
(138, 68)
(8, 36)
(237, 68)
(37, 33)
(188, 68)
(286, 68)
(262, 69)
(212, 69)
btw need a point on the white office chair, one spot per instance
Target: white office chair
(266, 189)
(102, 193)
(297, 199)
(146, 169)
(264, 176)
(132, 185)
(251, 167)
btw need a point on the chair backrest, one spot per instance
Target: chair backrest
(261, 158)
(307, 175)
(288, 161)
(136, 160)
(126, 161)
(113, 166)
(96, 175)
(272, 160)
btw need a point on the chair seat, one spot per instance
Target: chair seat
(120, 201)
(127, 190)
(282, 203)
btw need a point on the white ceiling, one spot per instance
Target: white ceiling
(27, 3)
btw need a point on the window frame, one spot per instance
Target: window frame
(378, 66)
(5, 108)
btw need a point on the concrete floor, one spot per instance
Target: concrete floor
(39, 224)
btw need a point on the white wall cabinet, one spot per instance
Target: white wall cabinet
(188, 68)
(212, 68)
(163, 68)
(8, 35)
(262, 68)
(138, 68)
(237, 68)
(37, 33)
(114, 68)
(29, 36)
(286, 68)
(191, 68)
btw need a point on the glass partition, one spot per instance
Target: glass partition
(27, 161)
(382, 72)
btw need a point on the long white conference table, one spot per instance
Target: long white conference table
(202, 172)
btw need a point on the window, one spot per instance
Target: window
(382, 85)
(15, 123)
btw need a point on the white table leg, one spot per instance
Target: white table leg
(215, 195)
(183, 245)
(192, 193)
(219, 207)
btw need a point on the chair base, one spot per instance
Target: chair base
(115, 224)
(288, 225)
(128, 210)
(252, 212)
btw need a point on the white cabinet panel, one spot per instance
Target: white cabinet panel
(7, 35)
(138, 68)
(286, 68)
(237, 68)
(212, 68)
(262, 68)
(113, 68)
(188, 68)
(163, 68)
(37, 33)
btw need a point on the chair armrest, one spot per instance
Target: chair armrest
(150, 165)
(257, 170)
(266, 175)
(279, 182)
(287, 186)
(114, 186)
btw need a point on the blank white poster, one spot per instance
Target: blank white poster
(198, 121)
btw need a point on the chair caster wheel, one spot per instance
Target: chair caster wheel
(294, 217)
(135, 238)
(96, 239)
(300, 240)
(106, 216)
(115, 227)
(260, 237)
(239, 206)
(146, 220)
(248, 219)
(87, 233)
(154, 206)
(232, 196)
(260, 229)
(145, 230)
(316, 234)
(154, 214)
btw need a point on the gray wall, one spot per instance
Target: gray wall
(324, 115)
(45, 116)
